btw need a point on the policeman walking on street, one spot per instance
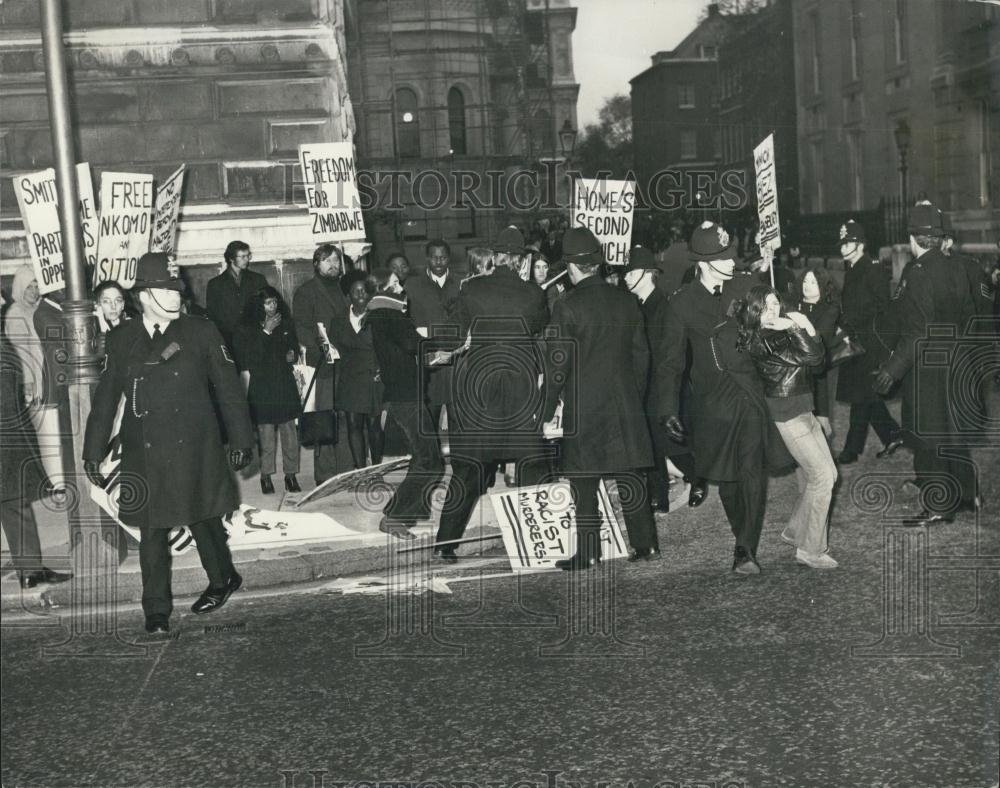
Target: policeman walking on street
(174, 471)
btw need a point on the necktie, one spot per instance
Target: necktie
(156, 331)
(717, 291)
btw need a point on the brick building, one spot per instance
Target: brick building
(900, 97)
(675, 105)
(228, 87)
(448, 86)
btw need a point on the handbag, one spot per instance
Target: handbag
(844, 348)
(318, 427)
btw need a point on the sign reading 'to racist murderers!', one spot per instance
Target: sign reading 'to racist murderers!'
(606, 209)
(126, 222)
(330, 178)
(38, 199)
(168, 209)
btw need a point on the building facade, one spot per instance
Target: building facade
(458, 106)
(229, 88)
(900, 100)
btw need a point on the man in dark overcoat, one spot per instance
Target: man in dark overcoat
(174, 469)
(495, 405)
(228, 295)
(865, 299)
(320, 300)
(597, 361)
(936, 294)
(733, 437)
(431, 294)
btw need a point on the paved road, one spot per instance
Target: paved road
(882, 673)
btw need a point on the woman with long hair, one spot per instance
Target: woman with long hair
(786, 349)
(816, 295)
(267, 347)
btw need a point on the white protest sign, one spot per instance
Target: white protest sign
(538, 525)
(606, 208)
(126, 222)
(330, 177)
(767, 195)
(166, 212)
(38, 199)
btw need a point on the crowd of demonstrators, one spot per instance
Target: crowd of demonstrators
(267, 346)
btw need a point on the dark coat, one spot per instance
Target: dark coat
(865, 298)
(227, 302)
(317, 302)
(273, 393)
(936, 292)
(725, 388)
(597, 361)
(495, 411)
(430, 308)
(824, 315)
(21, 474)
(170, 439)
(396, 344)
(359, 388)
(654, 313)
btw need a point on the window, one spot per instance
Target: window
(816, 158)
(685, 96)
(407, 124)
(456, 121)
(899, 31)
(706, 52)
(816, 38)
(856, 164)
(855, 40)
(689, 144)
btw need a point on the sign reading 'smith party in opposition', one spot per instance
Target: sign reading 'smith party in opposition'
(606, 208)
(330, 177)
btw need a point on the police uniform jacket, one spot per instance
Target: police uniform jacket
(865, 299)
(654, 313)
(597, 361)
(173, 464)
(726, 393)
(496, 404)
(430, 307)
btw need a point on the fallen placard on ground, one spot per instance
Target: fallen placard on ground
(539, 526)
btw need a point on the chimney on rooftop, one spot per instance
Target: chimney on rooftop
(713, 9)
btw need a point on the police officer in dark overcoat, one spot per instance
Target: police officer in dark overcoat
(733, 438)
(495, 401)
(935, 293)
(175, 470)
(865, 299)
(597, 361)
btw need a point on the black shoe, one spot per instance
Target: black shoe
(396, 529)
(744, 563)
(157, 625)
(699, 492)
(576, 563)
(214, 598)
(645, 554)
(847, 457)
(661, 508)
(445, 555)
(235, 582)
(928, 518)
(291, 483)
(266, 486)
(890, 448)
(43, 575)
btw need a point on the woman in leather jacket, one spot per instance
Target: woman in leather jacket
(787, 350)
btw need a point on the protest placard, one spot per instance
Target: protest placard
(767, 195)
(330, 177)
(38, 199)
(538, 525)
(125, 225)
(606, 208)
(166, 212)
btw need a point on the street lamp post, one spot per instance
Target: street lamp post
(567, 144)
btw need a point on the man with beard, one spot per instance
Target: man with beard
(166, 367)
(320, 302)
(733, 436)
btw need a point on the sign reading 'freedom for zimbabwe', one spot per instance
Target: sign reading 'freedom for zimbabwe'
(330, 177)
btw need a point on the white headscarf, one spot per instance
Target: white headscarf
(19, 326)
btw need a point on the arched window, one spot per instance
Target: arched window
(456, 121)
(407, 124)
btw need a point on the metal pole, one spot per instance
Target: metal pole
(92, 546)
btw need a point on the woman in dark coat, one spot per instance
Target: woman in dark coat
(22, 478)
(815, 295)
(359, 385)
(267, 347)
